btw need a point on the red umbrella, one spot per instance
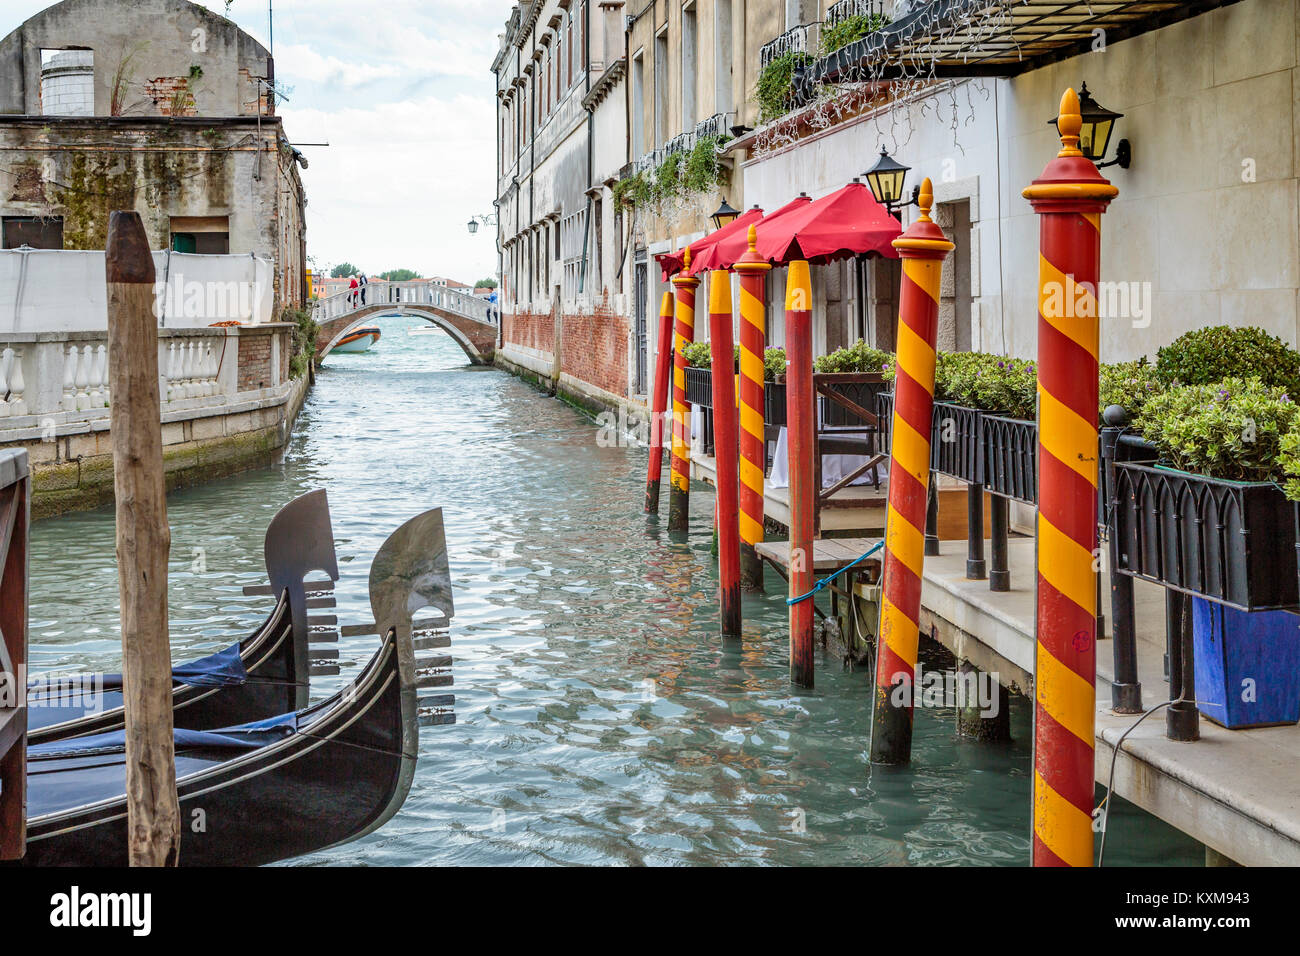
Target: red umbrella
(671, 262)
(725, 254)
(848, 222)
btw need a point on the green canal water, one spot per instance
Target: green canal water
(600, 718)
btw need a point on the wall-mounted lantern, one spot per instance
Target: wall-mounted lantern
(725, 215)
(887, 179)
(1095, 133)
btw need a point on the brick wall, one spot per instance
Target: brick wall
(595, 349)
(534, 330)
(254, 359)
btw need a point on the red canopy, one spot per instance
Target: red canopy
(725, 254)
(848, 222)
(671, 262)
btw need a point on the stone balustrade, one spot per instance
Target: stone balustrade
(400, 294)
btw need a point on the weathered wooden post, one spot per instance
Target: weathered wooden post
(726, 441)
(753, 270)
(1069, 198)
(679, 492)
(802, 442)
(143, 544)
(658, 402)
(923, 249)
(15, 488)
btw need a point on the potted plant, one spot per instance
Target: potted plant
(1210, 518)
(859, 373)
(774, 408)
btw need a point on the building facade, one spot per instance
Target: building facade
(155, 105)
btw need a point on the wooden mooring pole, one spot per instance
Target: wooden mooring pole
(923, 249)
(726, 441)
(679, 491)
(658, 403)
(143, 545)
(1069, 198)
(801, 431)
(753, 270)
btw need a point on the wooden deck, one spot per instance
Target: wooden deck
(829, 554)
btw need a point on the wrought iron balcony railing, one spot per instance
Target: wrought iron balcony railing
(857, 8)
(800, 39)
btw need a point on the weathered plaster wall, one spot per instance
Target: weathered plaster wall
(150, 56)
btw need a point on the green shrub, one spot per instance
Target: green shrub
(850, 30)
(700, 354)
(993, 383)
(858, 357)
(1231, 429)
(1205, 356)
(1129, 385)
(1289, 462)
(774, 363)
(775, 82)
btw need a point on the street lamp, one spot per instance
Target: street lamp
(1095, 133)
(886, 180)
(725, 215)
(488, 220)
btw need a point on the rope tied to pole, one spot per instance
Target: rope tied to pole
(820, 585)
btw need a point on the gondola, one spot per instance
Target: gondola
(282, 787)
(264, 675)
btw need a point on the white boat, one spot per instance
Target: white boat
(359, 339)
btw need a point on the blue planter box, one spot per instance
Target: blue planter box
(1247, 665)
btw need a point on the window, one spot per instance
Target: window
(689, 70)
(68, 83)
(661, 88)
(722, 57)
(638, 106)
(35, 231)
(594, 263)
(204, 235)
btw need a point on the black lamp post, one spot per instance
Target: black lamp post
(725, 215)
(886, 180)
(1095, 133)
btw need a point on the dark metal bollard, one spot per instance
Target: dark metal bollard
(1126, 689)
(975, 568)
(1182, 720)
(932, 520)
(999, 560)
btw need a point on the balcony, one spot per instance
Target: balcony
(857, 8)
(800, 39)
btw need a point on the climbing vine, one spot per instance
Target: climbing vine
(776, 83)
(679, 177)
(850, 30)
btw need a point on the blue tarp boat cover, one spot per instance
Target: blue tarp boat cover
(222, 669)
(244, 737)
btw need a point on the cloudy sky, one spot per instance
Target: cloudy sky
(402, 92)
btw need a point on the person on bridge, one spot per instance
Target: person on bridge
(353, 286)
(492, 305)
(364, 283)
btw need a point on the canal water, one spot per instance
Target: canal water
(600, 718)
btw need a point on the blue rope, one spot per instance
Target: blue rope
(831, 577)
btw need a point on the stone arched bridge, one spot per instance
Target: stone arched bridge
(468, 319)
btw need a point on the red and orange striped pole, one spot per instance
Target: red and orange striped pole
(726, 453)
(923, 248)
(679, 492)
(800, 407)
(658, 402)
(753, 271)
(1070, 197)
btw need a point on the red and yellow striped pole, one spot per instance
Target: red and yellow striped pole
(658, 402)
(679, 492)
(726, 453)
(753, 271)
(800, 424)
(923, 249)
(1070, 197)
